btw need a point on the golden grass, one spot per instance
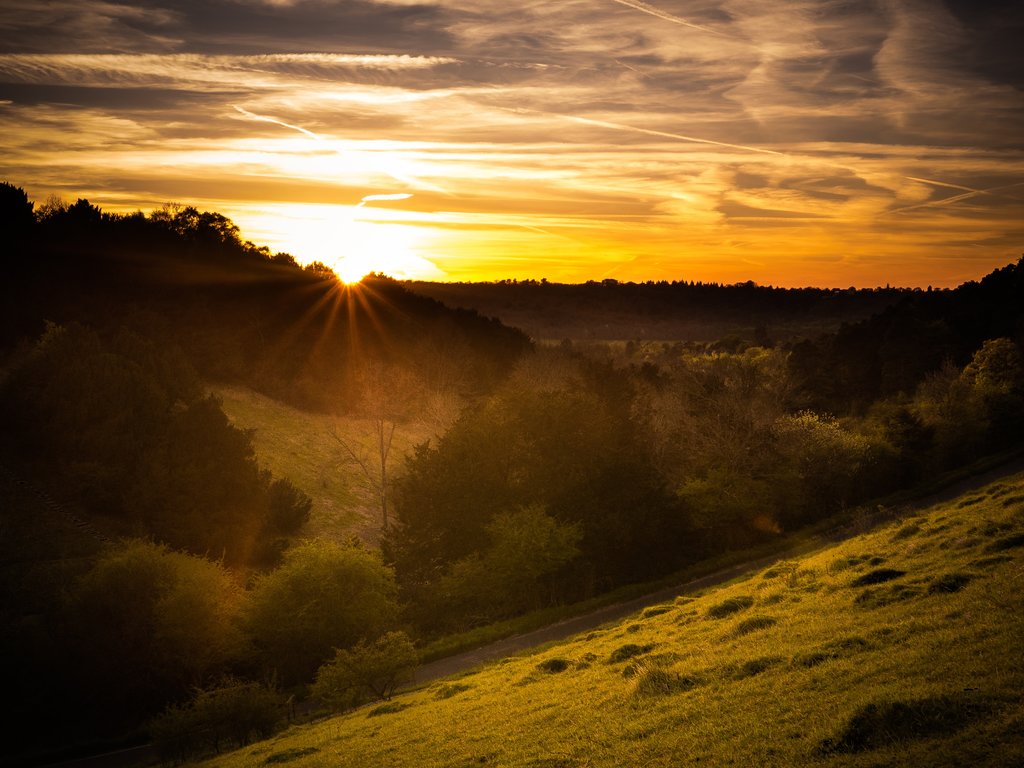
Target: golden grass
(774, 683)
(298, 445)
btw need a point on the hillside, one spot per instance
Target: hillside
(304, 447)
(899, 647)
(662, 311)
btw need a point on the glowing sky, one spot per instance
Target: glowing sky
(813, 142)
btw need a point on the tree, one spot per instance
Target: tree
(231, 711)
(323, 596)
(367, 670)
(515, 573)
(148, 623)
(387, 396)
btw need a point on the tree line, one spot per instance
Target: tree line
(569, 470)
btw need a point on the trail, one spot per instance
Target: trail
(562, 630)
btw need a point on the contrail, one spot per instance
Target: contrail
(371, 198)
(263, 119)
(971, 192)
(306, 132)
(665, 15)
(652, 132)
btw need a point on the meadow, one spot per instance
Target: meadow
(901, 646)
(303, 446)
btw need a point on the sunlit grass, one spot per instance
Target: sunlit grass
(300, 446)
(804, 672)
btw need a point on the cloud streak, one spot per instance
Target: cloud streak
(816, 142)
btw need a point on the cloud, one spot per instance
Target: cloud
(710, 135)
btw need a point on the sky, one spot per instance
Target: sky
(815, 142)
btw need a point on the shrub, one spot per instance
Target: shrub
(369, 670)
(729, 607)
(882, 724)
(233, 713)
(877, 576)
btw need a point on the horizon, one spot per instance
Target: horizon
(824, 145)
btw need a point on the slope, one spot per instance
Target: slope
(899, 647)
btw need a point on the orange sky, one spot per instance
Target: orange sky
(815, 142)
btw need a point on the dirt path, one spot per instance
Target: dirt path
(464, 662)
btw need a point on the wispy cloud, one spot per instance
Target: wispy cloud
(811, 141)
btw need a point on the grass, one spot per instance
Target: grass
(299, 445)
(931, 679)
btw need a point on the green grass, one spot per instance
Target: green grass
(932, 677)
(300, 446)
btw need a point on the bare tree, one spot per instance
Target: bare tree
(387, 396)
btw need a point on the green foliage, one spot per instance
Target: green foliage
(122, 428)
(573, 454)
(289, 507)
(150, 623)
(517, 571)
(369, 670)
(324, 596)
(732, 702)
(232, 713)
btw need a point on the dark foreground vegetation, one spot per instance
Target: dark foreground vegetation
(155, 573)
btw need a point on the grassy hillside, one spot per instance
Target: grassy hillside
(900, 647)
(300, 445)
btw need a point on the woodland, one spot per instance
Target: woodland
(157, 576)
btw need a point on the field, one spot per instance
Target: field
(899, 647)
(301, 446)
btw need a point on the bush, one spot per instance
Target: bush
(370, 670)
(233, 713)
(729, 607)
(325, 596)
(288, 507)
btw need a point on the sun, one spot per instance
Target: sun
(347, 243)
(352, 269)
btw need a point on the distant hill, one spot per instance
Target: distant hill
(662, 311)
(185, 277)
